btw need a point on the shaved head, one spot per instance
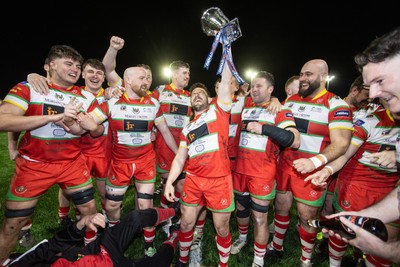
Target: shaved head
(135, 79)
(313, 77)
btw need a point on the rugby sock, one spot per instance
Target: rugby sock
(337, 248)
(243, 231)
(281, 225)
(185, 241)
(307, 243)
(63, 212)
(224, 245)
(149, 236)
(200, 226)
(259, 253)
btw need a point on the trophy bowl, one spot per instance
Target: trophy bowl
(214, 20)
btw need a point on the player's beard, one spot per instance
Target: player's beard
(199, 106)
(312, 87)
(141, 91)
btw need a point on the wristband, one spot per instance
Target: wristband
(329, 169)
(319, 160)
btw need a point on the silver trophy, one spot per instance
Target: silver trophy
(214, 20)
(215, 23)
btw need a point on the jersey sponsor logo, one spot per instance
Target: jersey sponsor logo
(135, 126)
(342, 113)
(302, 125)
(197, 133)
(359, 122)
(316, 109)
(178, 109)
(52, 109)
(179, 122)
(244, 141)
(289, 115)
(137, 141)
(59, 132)
(199, 147)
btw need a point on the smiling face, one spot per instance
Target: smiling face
(93, 77)
(313, 77)
(64, 71)
(136, 82)
(384, 82)
(260, 90)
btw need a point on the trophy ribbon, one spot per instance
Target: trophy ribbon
(226, 55)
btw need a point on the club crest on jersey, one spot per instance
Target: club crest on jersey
(135, 110)
(59, 96)
(301, 108)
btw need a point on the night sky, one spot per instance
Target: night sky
(278, 36)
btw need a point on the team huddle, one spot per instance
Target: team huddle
(236, 154)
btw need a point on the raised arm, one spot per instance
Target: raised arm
(224, 92)
(109, 60)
